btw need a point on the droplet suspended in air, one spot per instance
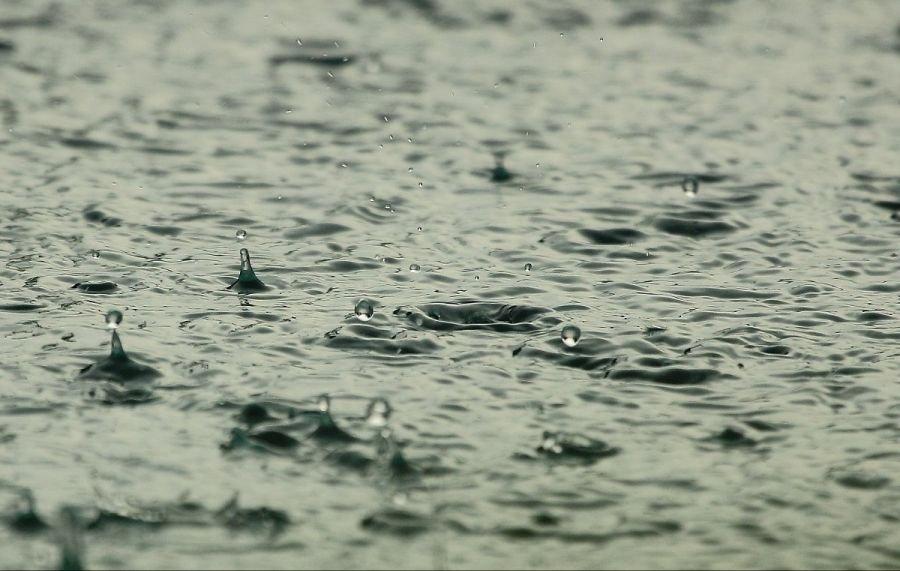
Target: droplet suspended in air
(364, 310)
(95, 254)
(570, 335)
(113, 319)
(415, 268)
(241, 235)
(324, 404)
(378, 413)
(690, 185)
(528, 267)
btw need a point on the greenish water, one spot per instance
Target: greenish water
(431, 193)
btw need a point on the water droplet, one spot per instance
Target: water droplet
(419, 228)
(241, 235)
(245, 261)
(113, 319)
(409, 170)
(324, 403)
(299, 42)
(570, 335)
(421, 185)
(378, 413)
(364, 310)
(95, 254)
(528, 267)
(414, 268)
(690, 185)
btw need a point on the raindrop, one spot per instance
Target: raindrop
(364, 310)
(528, 267)
(414, 268)
(570, 335)
(95, 254)
(409, 170)
(690, 185)
(324, 404)
(241, 235)
(378, 413)
(419, 228)
(113, 319)
(421, 185)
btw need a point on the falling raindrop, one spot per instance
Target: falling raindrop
(113, 319)
(528, 267)
(364, 310)
(324, 404)
(240, 235)
(570, 335)
(414, 268)
(378, 413)
(690, 185)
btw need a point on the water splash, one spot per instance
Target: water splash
(327, 429)
(118, 366)
(247, 281)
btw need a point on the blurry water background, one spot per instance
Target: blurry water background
(733, 400)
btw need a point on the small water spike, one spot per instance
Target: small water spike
(118, 366)
(247, 280)
(388, 452)
(328, 430)
(500, 173)
(71, 544)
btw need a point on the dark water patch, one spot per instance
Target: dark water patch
(315, 231)
(21, 307)
(597, 365)
(780, 350)
(164, 230)
(85, 144)
(676, 376)
(732, 437)
(23, 517)
(612, 237)
(263, 520)
(96, 287)
(566, 447)
(315, 59)
(691, 227)
(724, 293)
(395, 521)
(7, 46)
(93, 215)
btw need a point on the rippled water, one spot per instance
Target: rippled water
(708, 190)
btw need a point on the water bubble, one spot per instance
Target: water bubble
(95, 254)
(113, 319)
(690, 185)
(528, 267)
(570, 335)
(378, 413)
(241, 235)
(414, 268)
(324, 404)
(364, 310)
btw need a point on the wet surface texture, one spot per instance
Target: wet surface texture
(432, 193)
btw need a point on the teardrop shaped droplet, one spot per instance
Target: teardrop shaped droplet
(378, 413)
(241, 235)
(690, 185)
(113, 319)
(570, 335)
(364, 310)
